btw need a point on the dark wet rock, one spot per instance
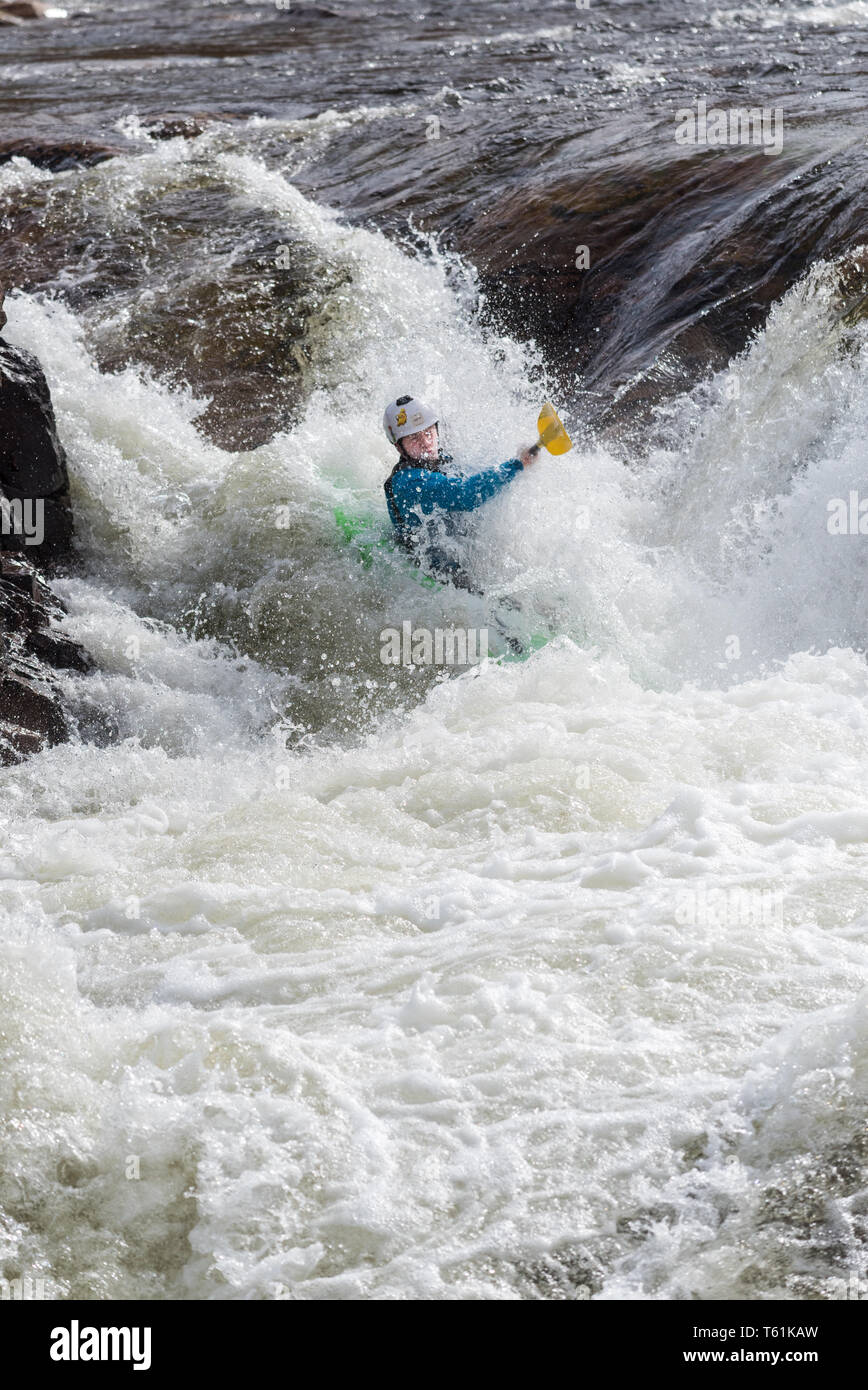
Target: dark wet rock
(28, 702)
(170, 127)
(242, 335)
(21, 586)
(686, 258)
(57, 155)
(35, 511)
(207, 297)
(31, 709)
(189, 124)
(34, 506)
(17, 743)
(57, 651)
(16, 609)
(23, 9)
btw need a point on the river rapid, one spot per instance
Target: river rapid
(325, 979)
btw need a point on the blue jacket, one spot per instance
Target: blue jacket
(425, 504)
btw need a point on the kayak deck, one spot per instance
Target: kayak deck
(366, 537)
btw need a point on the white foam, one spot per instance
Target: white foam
(776, 16)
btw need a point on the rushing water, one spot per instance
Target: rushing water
(326, 979)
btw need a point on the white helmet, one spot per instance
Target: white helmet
(407, 416)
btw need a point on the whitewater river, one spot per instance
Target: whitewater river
(324, 979)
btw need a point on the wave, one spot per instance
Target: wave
(318, 987)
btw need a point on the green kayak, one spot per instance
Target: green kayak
(366, 537)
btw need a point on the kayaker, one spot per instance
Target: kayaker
(428, 501)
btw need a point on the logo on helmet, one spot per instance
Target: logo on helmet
(402, 418)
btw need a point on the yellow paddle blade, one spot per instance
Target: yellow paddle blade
(552, 434)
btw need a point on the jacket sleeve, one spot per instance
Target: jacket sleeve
(421, 490)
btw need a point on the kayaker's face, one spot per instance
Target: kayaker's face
(423, 445)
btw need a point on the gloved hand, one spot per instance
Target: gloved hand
(528, 455)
